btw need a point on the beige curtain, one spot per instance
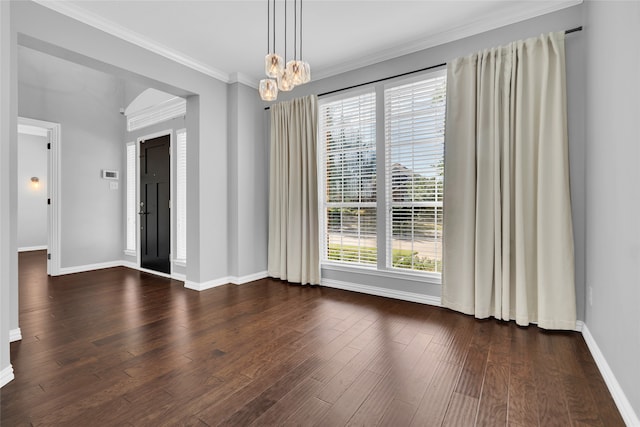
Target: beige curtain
(508, 239)
(293, 192)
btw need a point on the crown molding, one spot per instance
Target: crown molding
(238, 77)
(125, 34)
(433, 40)
(437, 39)
(167, 110)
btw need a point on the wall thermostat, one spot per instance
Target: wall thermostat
(107, 174)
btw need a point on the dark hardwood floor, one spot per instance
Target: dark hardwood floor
(119, 347)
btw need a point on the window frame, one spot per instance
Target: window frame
(322, 205)
(130, 208)
(181, 197)
(388, 188)
(381, 268)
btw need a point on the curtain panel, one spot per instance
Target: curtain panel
(508, 237)
(293, 253)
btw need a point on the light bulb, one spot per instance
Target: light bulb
(268, 90)
(285, 82)
(273, 65)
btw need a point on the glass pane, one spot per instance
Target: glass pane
(417, 238)
(351, 235)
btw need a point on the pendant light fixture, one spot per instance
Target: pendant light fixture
(273, 63)
(299, 70)
(296, 71)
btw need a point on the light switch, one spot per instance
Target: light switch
(113, 185)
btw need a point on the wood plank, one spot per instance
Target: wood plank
(398, 413)
(308, 413)
(121, 347)
(342, 410)
(434, 403)
(462, 411)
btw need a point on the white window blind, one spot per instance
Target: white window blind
(131, 198)
(414, 140)
(348, 137)
(181, 195)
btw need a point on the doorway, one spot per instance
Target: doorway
(154, 207)
(51, 131)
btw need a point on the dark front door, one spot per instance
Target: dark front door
(155, 224)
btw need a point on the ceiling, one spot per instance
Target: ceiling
(227, 39)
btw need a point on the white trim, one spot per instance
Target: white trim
(437, 39)
(127, 252)
(179, 277)
(173, 275)
(180, 262)
(207, 285)
(579, 326)
(171, 193)
(130, 36)
(54, 219)
(249, 278)
(15, 335)
(155, 273)
(238, 77)
(31, 130)
(167, 110)
(32, 248)
(429, 278)
(626, 410)
(382, 292)
(6, 375)
(89, 267)
(130, 264)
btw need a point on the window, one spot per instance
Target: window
(181, 195)
(414, 139)
(399, 226)
(130, 248)
(348, 131)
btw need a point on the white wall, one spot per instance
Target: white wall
(86, 103)
(32, 200)
(248, 204)
(7, 131)
(613, 194)
(42, 29)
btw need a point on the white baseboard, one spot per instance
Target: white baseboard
(15, 335)
(382, 292)
(179, 277)
(207, 285)
(626, 410)
(129, 264)
(224, 281)
(90, 267)
(32, 248)
(249, 278)
(6, 375)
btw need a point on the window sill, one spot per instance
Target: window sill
(431, 278)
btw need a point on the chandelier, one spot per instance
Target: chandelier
(283, 75)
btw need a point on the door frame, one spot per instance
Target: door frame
(53, 190)
(139, 140)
